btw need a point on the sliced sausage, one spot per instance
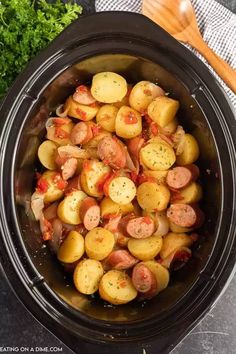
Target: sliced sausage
(81, 133)
(121, 260)
(179, 177)
(143, 279)
(83, 95)
(112, 152)
(73, 184)
(69, 168)
(140, 227)
(90, 213)
(183, 214)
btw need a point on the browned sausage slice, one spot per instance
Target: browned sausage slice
(112, 152)
(90, 213)
(141, 227)
(73, 185)
(69, 168)
(81, 133)
(179, 177)
(121, 259)
(143, 279)
(182, 214)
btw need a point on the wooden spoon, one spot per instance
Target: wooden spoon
(178, 18)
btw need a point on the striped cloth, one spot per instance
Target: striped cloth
(217, 26)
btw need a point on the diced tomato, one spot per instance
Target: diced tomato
(134, 176)
(176, 196)
(47, 233)
(154, 128)
(147, 92)
(81, 88)
(110, 216)
(60, 133)
(42, 185)
(87, 165)
(103, 182)
(143, 178)
(182, 256)
(59, 181)
(147, 220)
(61, 121)
(93, 105)
(96, 129)
(131, 118)
(82, 114)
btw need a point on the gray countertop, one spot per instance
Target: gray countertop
(214, 335)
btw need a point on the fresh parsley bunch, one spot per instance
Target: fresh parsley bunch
(25, 28)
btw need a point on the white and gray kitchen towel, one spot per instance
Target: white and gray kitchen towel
(217, 26)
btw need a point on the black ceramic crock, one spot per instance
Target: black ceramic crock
(132, 45)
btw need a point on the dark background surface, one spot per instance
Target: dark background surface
(214, 335)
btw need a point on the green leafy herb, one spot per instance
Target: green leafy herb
(26, 27)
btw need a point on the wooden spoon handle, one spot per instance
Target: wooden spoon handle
(224, 70)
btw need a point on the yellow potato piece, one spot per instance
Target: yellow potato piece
(117, 288)
(109, 207)
(157, 157)
(160, 176)
(163, 110)
(152, 196)
(145, 249)
(191, 193)
(179, 229)
(80, 111)
(122, 190)
(99, 243)
(173, 241)
(68, 209)
(128, 123)
(106, 117)
(72, 249)
(53, 192)
(108, 87)
(190, 151)
(87, 276)
(171, 127)
(142, 94)
(51, 134)
(46, 154)
(161, 274)
(92, 175)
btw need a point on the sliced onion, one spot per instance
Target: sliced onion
(57, 238)
(179, 140)
(37, 204)
(51, 211)
(68, 151)
(61, 112)
(162, 224)
(113, 223)
(169, 261)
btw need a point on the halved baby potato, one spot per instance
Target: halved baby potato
(160, 176)
(46, 154)
(157, 156)
(60, 135)
(163, 110)
(53, 193)
(179, 229)
(109, 207)
(142, 94)
(117, 288)
(80, 111)
(173, 241)
(108, 87)
(87, 276)
(128, 123)
(99, 243)
(122, 190)
(152, 196)
(145, 249)
(72, 248)
(190, 151)
(171, 127)
(94, 173)
(106, 117)
(190, 194)
(69, 208)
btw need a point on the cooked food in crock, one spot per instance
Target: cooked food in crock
(117, 196)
